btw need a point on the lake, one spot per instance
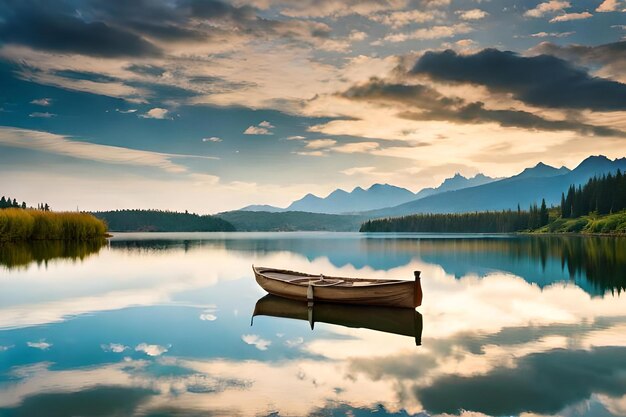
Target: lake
(162, 325)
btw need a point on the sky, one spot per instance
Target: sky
(209, 106)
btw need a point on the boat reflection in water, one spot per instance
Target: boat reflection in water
(401, 321)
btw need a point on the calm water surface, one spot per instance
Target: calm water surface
(160, 325)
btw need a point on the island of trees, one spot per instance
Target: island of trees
(597, 207)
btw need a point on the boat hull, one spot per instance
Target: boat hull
(404, 294)
(400, 321)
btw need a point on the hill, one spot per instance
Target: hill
(162, 221)
(291, 221)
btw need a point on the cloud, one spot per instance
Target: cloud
(156, 113)
(291, 343)
(209, 314)
(551, 34)
(328, 8)
(539, 80)
(297, 137)
(41, 345)
(610, 57)
(208, 317)
(151, 350)
(423, 103)
(256, 341)
(42, 102)
(320, 143)
(434, 32)
(358, 171)
(53, 28)
(114, 347)
(262, 128)
(608, 6)
(357, 147)
(571, 16)
(63, 145)
(311, 153)
(4, 348)
(46, 115)
(356, 35)
(473, 14)
(126, 111)
(402, 18)
(534, 385)
(551, 6)
(212, 139)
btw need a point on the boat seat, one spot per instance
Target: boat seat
(327, 282)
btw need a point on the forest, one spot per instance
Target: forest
(162, 221)
(506, 221)
(603, 195)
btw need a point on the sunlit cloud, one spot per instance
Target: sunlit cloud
(435, 32)
(42, 102)
(44, 115)
(263, 128)
(63, 145)
(551, 6)
(151, 350)
(256, 341)
(402, 18)
(608, 6)
(114, 347)
(320, 143)
(41, 345)
(473, 14)
(571, 16)
(156, 113)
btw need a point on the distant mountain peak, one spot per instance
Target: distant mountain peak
(541, 170)
(359, 199)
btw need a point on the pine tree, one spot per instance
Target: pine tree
(543, 214)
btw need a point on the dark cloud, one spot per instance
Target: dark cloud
(542, 80)
(432, 105)
(101, 401)
(611, 57)
(42, 28)
(542, 383)
(122, 28)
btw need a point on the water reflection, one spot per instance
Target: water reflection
(594, 263)
(22, 254)
(156, 325)
(401, 321)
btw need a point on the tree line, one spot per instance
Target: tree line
(505, 221)
(162, 221)
(602, 195)
(7, 202)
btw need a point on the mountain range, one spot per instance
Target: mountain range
(524, 189)
(378, 196)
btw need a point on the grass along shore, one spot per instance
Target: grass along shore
(607, 224)
(29, 224)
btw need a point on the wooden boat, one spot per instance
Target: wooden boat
(401, 321)
(321, 288)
